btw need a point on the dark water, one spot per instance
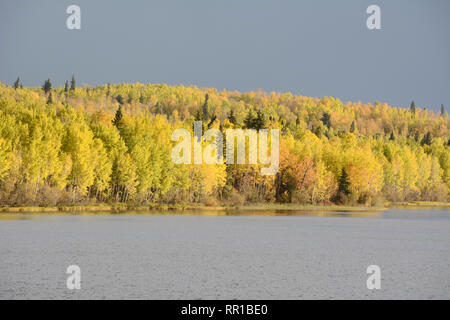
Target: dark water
(259, 255)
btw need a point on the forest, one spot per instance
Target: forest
(70, 145)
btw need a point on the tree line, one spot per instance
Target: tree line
(112, 143)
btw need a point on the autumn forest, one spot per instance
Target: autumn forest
(68, 145)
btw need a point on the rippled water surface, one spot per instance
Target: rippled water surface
(233, 255)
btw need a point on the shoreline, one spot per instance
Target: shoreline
(122, 208)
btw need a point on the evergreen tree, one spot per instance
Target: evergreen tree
(343, 185)
(66, 86)
(211, 121)
(326, 120)
(392, 136)
(353, 127)
(50, 99)
(73, 84)
(412, 108)
(260, 121)
(118, 117)
(119, 99)
(17, 83)
(205, 108)
(47, 86)
(427, 139)
(249, 121)
(231, 117)
(442, 110)
(199, 115)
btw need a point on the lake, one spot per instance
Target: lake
(234, 255)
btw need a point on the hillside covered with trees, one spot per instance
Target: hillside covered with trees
(112, 143)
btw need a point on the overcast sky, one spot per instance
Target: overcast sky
(315, 47)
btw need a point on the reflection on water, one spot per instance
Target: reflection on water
(393, 213)
(20, 216)
(305, 213)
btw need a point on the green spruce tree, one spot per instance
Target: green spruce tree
(260, 121)
(211, 121)
(17, 83)
(73, 84)
(232, 117)
(249, 121)
(205, 108)
(199, 115)
(119, 99)
(47, 86)
(118, 117)
(412, 108)
(326, 120)
(343, 186)
(353, 127)
(427, 139)
(50, 99)
(392, 136)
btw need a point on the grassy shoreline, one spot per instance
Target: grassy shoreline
(122, 208)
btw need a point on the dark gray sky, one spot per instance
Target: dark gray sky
(314, 47)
